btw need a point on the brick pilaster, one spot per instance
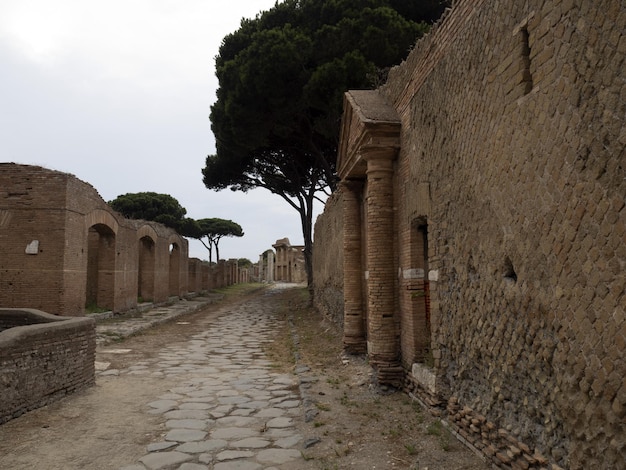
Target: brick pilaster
(354, 339)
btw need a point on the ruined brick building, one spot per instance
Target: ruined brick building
(476, 248)
(62, 248)
(289, 262)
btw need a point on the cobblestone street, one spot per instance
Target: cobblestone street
(209, 402)
(229, 410)
(249, 380)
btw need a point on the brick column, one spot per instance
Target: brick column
(382, 340)
(354, 340)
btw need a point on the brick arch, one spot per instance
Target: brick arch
(101, 248)
(146, 263)
(102, 228)
(175, 246)
(147, 231)
(102, 217)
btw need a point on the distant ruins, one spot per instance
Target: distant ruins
(289, 264)
(476, 248)
(286, 264)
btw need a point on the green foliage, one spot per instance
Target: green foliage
(282, 78)
(244, 263)
(161, 208)
(442, 433)
(93, 308)
(411, 448)
(213, 230)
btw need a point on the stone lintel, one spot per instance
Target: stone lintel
(370, 127)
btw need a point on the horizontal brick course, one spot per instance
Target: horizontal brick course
(42, 358)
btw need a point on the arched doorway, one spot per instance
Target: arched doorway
(100, 268)
(145, 282)
(175, 253)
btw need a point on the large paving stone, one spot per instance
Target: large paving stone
(195, 406)
(237, 465)
(278, 456)
(251, 443)
(233, 433)
(186, 414)
(160, 460)
(288, 442)
(281, 422)
(188, 424)
(234, 455)
(163, 404)
(198, 447)
(193, 466)
(157, 446)
(236, 421)
(288, 404)
(185, 435)
(270, 413)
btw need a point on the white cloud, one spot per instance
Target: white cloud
(118, 93)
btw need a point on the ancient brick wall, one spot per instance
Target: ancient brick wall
(42, 358)
(22, 207)
(62, 248)
(510, 227)
(328, 260)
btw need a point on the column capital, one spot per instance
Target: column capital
(380, 160)
(352, 185)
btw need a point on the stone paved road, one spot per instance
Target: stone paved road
(229, 410)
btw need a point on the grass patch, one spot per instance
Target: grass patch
(322, 406)
(411, 449)
(93, 308)
(345, 400)
(240, 289)
(442, 433)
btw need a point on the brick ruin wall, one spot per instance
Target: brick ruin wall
(50, 213)
(52, 262)
(328, 260)
(513, 125)
(42, 358)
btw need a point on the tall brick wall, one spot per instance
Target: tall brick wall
(328, 259)
(512, 158)
(42, 358)
(23, 207)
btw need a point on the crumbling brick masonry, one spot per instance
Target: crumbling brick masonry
(484, 229)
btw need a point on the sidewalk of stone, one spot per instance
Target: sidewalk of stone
(111, 328)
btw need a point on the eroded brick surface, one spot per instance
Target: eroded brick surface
(511, 157)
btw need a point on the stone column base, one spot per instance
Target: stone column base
(388, 373)
(356, 346)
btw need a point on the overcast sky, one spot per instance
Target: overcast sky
(118, 93)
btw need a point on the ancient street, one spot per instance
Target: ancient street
(250, 381)
(222, 407)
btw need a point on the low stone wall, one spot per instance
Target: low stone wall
(43, 357)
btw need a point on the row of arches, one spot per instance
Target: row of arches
(66, 252)
(102, 265)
